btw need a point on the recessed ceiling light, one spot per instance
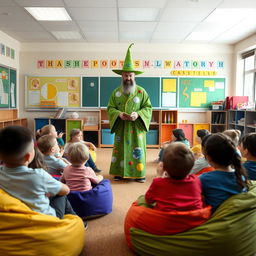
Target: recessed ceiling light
(48, 13)
(67, 35)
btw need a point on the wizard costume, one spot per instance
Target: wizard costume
(129, 152)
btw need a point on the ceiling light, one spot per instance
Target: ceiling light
(48, 13)
(138, 14)
(67, 35)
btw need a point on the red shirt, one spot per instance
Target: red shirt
(175, 195)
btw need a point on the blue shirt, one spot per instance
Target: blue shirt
(218, 186)
(250, 166)
(55, 165)
(30, 186)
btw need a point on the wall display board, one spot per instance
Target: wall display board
(169, 92)
(53, 92)
(90, 92)
(200, 92)
(4, 87)
(13, 89)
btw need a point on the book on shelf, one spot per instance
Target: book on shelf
(60, 113)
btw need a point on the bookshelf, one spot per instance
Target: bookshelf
(217, 120)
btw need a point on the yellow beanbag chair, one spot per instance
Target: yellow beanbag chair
(26, 232)
(93, 155)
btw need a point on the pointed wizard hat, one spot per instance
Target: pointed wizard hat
(128, 64)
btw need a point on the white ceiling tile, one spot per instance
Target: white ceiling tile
(172, 27)
(101, 37)
(134, 36)
(169, 36)
(7, 3)
(193, 4)
(238, 4)
(90, 3)
(22, 26)
(138, 14)
(183, 15)
(34, 36)
(98, 26)
(140, 26)
(13, 13)
(98, 14)
(206, 27)
(59, 25)
(141, 3)
(40, 3)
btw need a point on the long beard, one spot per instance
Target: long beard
(128, 86)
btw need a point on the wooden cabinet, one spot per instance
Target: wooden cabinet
(199, 127)
(217, 120)
(168, 122)
(10, 117)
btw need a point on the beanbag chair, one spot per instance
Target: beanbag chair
(26, 232)
(93, 155)
(160, 222)
(95, 202)
(230, 231)
(204, 170)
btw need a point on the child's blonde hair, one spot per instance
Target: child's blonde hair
(234, 135)
(45, 143)
(45, 130)
(78, 153)
(178, 160)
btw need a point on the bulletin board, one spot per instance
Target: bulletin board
(150, 84)
(13, 89)
(200, 92)
(53, 92)
(4, 87)
(169, 89)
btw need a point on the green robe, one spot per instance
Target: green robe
(129, 152)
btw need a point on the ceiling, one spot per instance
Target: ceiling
(145, 21)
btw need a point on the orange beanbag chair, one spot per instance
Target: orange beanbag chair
(160, 222)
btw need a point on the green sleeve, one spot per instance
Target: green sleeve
(113, 113)
(145, 112)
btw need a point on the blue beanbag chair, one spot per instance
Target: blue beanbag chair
(92, 203)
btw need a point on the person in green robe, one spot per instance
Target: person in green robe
(129, 112)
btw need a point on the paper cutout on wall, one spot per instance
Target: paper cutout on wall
(209, 83)
(169, 85)
(197, 98)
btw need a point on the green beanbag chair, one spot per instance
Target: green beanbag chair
(231, 231)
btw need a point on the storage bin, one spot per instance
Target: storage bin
(107, 138)
(152, 137)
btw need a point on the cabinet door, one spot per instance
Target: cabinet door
(41, 122)
(188, 130)
(72, 124)
(199, 127)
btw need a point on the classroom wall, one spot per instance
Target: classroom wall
(31, 52)
(9, 62)
(245, 45)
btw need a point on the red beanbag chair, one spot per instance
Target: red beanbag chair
(163, 223)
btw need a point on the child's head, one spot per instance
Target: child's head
(234, 135)
(78, 153)
(48, 129)
(221, 152)
(178, 135)
(178, 160)
(38, 161)
(16, 146)
(201, 133)
(48, 145)
(248, 145)
(76, 135)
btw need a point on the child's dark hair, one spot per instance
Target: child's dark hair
(178, 160)
(14, 143)
(222, 150)
(249, 142)
(38, 161)
(201, 133)
(179, 134)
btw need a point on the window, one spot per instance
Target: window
(249, 75)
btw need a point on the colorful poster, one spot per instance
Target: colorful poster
(53, 92)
